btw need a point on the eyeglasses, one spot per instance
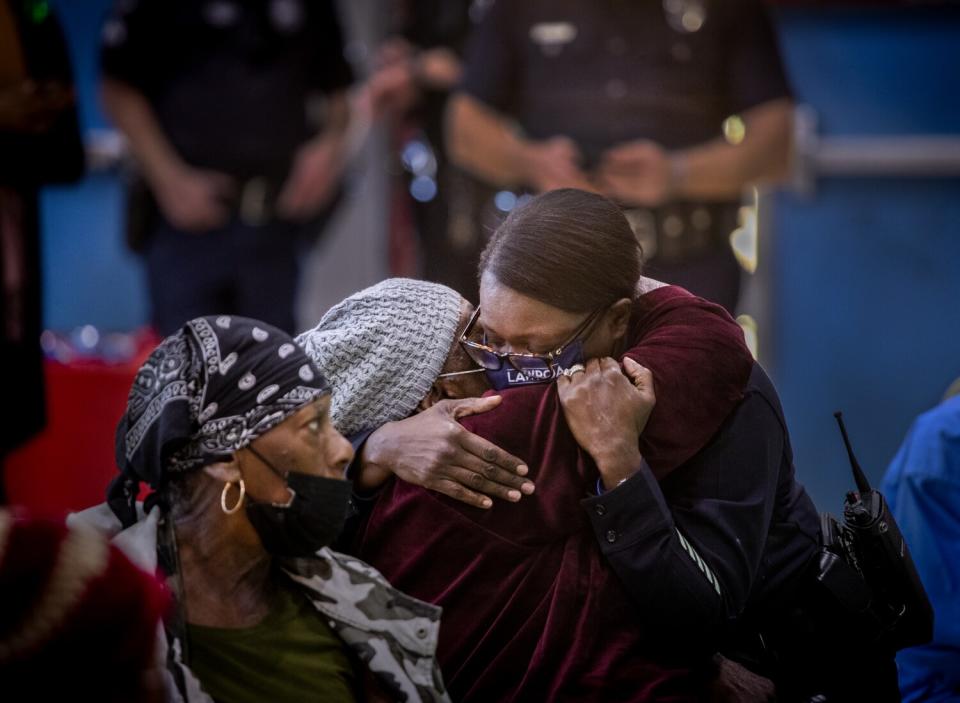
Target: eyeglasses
(492, 360)
(453, 374)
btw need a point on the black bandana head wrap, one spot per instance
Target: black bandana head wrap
(205, 392)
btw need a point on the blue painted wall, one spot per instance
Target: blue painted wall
(865, 282)
(89, 276)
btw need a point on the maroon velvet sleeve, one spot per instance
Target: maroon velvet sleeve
(700, 366)
(529, 424)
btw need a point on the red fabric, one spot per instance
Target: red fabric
(700, 365)
(531, 609)
(102, 644)
(69, 464)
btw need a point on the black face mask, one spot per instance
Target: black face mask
(313, 519)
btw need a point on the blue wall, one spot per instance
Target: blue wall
(865, 280)
(89, 277)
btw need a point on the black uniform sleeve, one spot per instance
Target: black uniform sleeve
(492, 62)
(328, 64)
(754, 68)
(361, 504)
(688, 550)
(357, 440)
(129, 48)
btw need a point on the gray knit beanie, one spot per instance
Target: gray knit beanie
(382, 349)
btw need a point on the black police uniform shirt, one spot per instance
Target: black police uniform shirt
(237, 85)
(609, 71)
(730, 534)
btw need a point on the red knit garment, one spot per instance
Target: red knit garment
(78, 618)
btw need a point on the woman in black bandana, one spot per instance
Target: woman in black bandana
(228, 422)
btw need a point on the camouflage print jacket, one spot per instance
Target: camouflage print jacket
(394, 634)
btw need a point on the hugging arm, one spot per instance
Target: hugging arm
(433, 450)
(689, 549)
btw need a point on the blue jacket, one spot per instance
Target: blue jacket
(922, 487)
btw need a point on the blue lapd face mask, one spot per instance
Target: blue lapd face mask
(508, 376)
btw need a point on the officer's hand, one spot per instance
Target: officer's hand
(193, 199)
(606, 409)
(433, 450)
(636, 173)
(734, 683)
(554, 163)
(642, 380)
(393, 50)
(316, 170)
(439, 68)
(392, 89)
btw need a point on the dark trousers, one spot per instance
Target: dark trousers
(238, 269)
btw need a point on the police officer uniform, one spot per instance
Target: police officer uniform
(723, 554)
(237, 86)
(607, 72)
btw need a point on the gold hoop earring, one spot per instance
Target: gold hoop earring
(223, 497)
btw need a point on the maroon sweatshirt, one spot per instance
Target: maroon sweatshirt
(532, 611)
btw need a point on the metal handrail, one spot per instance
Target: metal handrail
(910, 156)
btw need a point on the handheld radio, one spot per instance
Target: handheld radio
(867, 567)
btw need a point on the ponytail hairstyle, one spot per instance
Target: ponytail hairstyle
(567, 248)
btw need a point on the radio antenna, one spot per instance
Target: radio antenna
(858, 476)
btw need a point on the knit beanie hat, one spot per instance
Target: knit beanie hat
(78, 617)
(382, 349)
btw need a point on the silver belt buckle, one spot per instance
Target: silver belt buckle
(644, 226)
(253, 202)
